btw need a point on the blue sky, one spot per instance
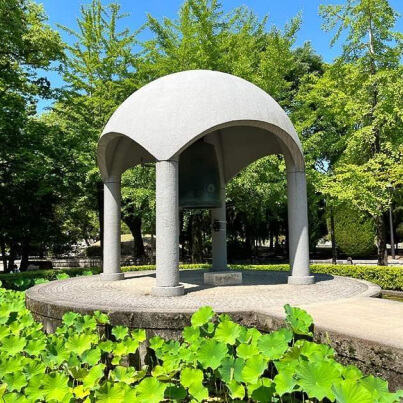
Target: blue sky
(66, 12)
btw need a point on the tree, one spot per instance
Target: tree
(354, 125)
(29, 46)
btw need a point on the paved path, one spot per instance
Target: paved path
(339, 304)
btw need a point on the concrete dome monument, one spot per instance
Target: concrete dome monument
(163, 119)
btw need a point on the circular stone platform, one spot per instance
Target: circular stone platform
(129, 301)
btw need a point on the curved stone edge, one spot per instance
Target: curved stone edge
(373, 290)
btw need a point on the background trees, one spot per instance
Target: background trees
(348, 114)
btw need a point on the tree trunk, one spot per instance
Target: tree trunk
(24, 255)
(134, 224)
(3, 255)
(11, 257)
(333, 237)
(381, 240)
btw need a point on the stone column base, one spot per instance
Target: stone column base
(168, 291)
(112, 276)
(223, 278)
(301, 280)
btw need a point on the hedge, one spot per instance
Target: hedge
(388, 278)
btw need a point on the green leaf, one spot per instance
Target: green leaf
(211, 353)
(262, 391)
(156, 342)
(69, 318)
(110, 393)
(34, 368)
(202, 316)
(316, 379)
(175, 392)
(12, 364)
(298, 320)
(100, 317)
(227, 332)
(13, 344)
(55, 386)
(237, 390)
(14, 398)
(349, 391)
(246, 351)
(284, 382)
(139, 335)
(35, 347)
(275, 344)
(91, 381)
(15, 381)
(120, 332)
(34, 389)
(151, 390)
(78, 343)
(377, 387)
(351, 372)
(254, 368)
(190, 334)
(91, 357)
(123, 374)
(107, 346)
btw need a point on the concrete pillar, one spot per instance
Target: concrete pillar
(219, 237)
(298, 229)
(111, 258)
(167, 230)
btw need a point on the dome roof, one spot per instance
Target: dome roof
(167, 115)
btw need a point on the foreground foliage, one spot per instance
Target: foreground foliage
(216, 358)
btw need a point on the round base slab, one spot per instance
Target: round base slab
(112, 276)
(301, 280)
(168, 291)
(131, 302)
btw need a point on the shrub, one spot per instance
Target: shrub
(355, 233)
(93, 251)
(217, 360)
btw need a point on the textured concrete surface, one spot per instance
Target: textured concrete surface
(224, 278)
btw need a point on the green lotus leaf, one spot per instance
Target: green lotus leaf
(202, 316)
(351, 372)
(74, 360)
(130, 393)
(13, 344)
(16, 327)
(87, 273)
(139, 375)
(34, 389)
(284, 382)
(110, 393)
(80, 393)
(314, 351)
(107, 346)
(350, 391)
(89, 322)
(26, 320)
(69, 318)
(91, 381)
(55, 386)
(3, 388)
(123, 374)
(33, 368)
(253, 369)
(78, 373)
(378, 388)
(298, 320)
(92, 356)
(226, 370)
(14, 398)
(191, 375)
(227, 332)
(11, 364)
(211, 353)
(78, 343)
(40, 281)
(101, 318)
(156, 342)
(4, 331)
(162, 374)
(316, 379)
(236, 390)
(131, 345)
(151, 390)
(208, 329)
(15, 381)
(262, 391)
(120, 332)
(190, 334)
(249, 336)
(35, 347)
(274, 345)
(246, 351)
(139, 335)
(120, 349)
(175, 392)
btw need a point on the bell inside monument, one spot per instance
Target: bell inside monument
(199, 177)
